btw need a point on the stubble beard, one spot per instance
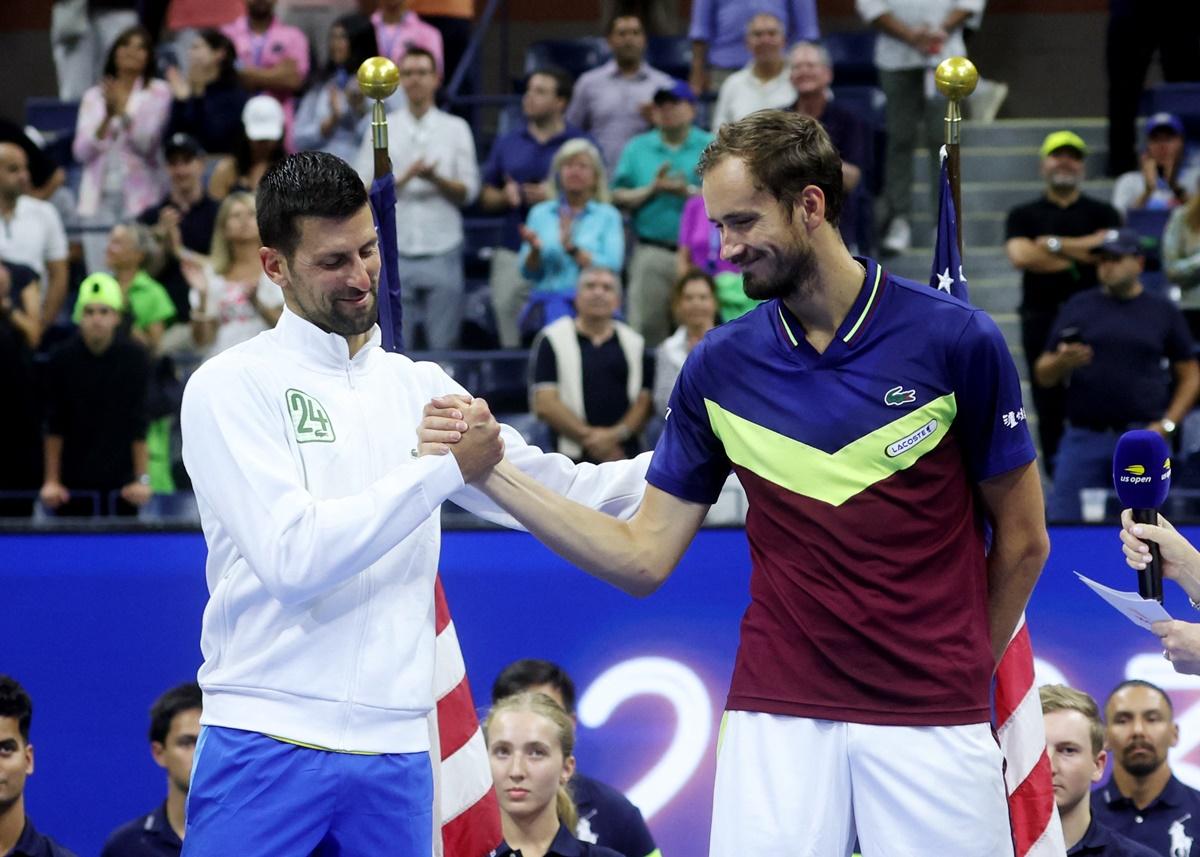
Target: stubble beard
(794, 275)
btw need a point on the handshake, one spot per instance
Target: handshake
(464, 427)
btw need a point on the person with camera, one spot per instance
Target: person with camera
(1127, 361)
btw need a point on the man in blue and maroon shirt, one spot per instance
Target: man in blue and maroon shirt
(877, 428)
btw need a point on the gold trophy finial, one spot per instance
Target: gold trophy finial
(956, 77)
(378, 78)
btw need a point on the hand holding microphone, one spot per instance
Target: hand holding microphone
(1142, 476)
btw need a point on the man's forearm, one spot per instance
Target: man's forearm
(56, 291)
(52, 458)
(550, 409)
(632, 198)
(141, 459)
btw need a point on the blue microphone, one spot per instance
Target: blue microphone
(1142, 475)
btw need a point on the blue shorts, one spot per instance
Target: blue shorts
(254, 795)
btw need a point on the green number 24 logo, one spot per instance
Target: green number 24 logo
(309, 419)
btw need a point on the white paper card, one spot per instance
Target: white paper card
(1135, 608)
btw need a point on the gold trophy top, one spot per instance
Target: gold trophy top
(955, 77)
(378, 78)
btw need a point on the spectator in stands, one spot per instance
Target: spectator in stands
(1075, 745)
(20, 430)
(763, 83)
(259, 146)
(1112, 345)
(233, 299)
(1136, 31)
(433, 160)
(576, 228)
(718, 32)
(80, 33)
(811, 75)
(614, 101)
(118, 140)
(18, 837)
(514, 179)
(207, 102)
(592, 375)
(131, 249)
(174, 730)
(45, 176)
(334, 114)
(32, 232)
(451, 18)
(272, 58)
(1181, 255)
(694, 305)
(606, 817)
(1050, 241)
(1162, 182)
(655, 176)
(913, 38)
(700, 248)
(531, 742)
(182, 220)
(315, 18)
(1144, 801)
(95, 411)
(398, 28)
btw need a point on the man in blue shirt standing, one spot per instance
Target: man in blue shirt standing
(174, 730)
(17, 834)
(1144, 800)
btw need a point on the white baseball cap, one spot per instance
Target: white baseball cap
(262, 117)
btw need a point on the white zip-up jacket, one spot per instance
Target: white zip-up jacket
(323, 537)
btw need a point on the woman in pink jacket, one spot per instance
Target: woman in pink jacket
(118, 139)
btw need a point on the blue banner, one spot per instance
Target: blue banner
(383, 206)
(947, 274)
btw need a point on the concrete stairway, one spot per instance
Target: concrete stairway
(1000, 164)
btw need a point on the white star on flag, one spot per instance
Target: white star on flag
(945, 281)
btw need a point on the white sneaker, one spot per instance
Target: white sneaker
(898, 237)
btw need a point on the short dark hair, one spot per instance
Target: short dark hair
(414, 51)
(1137, 682)
(183, 697)
(530, 672)
(15, 703)
(623, 12)
(784, 153)
(563, 85)
(306, 184)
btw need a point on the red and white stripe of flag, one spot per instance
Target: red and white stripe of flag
(1018, 718)
(468, 811)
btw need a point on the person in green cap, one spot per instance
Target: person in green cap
(1050, 241)
(95, 441)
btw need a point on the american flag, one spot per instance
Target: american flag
(1017, 710)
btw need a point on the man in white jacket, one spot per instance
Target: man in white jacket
(323, 540)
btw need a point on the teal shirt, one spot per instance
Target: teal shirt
(658, 219)
(598, 230)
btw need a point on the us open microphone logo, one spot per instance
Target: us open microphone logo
(1135, 474)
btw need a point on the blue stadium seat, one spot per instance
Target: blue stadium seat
(55, 120)
(672, 54)
(574, 56)
(853, 57)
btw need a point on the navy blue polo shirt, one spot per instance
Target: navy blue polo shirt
(523, 158)
(564, 845)
(34, 844)
(607, 818)
(146, 836)
(1169, 825)
(1099, 841)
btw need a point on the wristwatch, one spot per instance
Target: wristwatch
(1168, 425)
(144, 479)
(1054, 244)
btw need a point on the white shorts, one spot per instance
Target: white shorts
(796, 787)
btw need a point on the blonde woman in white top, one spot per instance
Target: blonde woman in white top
(232, 300)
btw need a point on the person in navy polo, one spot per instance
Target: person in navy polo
(1075, 744)
(606, 817)
(1144, 800)
(18, 837)
(174, 729)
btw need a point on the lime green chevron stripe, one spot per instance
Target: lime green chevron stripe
(833, 478)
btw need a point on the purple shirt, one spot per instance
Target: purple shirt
(722, 24)
(266, 50)
(520, 156)
(607, 104)
(701, 239)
